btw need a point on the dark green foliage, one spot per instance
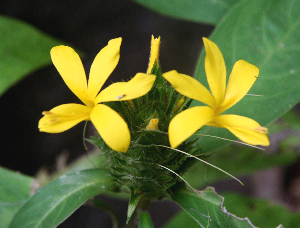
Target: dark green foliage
(141, 167)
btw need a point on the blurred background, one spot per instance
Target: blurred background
(87, 26)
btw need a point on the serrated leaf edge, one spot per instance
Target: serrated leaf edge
(224, 210)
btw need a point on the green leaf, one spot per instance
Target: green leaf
(204, 11)
(15, 189)
(92, 161)
(23, 49)
(290, 120)
(145, 220)
(261, 212)
(56, 201)
(265, 33)
(180, 220)
(236, 160)
(133, 202)
(206, 208)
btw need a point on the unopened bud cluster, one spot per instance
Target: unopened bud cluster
(148, 118)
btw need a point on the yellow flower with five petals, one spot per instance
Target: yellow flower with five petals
(109, 124)
(221, 98)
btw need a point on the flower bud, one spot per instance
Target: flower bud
(153, 124)
(178, 104)
(154, 53)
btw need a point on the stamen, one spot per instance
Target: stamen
(153, 124)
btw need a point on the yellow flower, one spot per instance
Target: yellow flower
(221, 98)
(109, 124)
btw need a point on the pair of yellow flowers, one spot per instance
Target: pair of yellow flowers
(112, 127)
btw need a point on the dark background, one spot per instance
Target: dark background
(86, 26)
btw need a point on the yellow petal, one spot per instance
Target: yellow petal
(189, 87)
(246, 129)
(103, 65)
(138, 86)
(241, 79)
(215, 70)
(69, 66)
(186, 123)
(154, 53)
(63, 117)
(111, 127)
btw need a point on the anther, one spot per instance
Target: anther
(47, 113)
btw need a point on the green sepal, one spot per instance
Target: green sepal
(133, 202)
